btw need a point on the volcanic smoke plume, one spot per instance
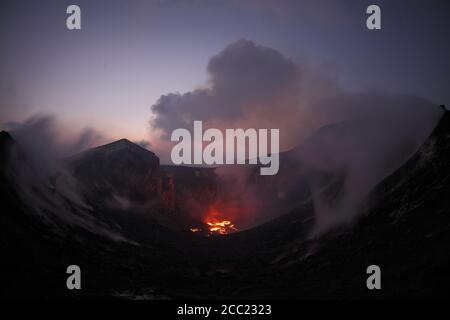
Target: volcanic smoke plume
(252, 86)
(46, 143)
(37, 170)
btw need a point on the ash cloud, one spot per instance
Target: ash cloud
(371, 133)
(249, 85)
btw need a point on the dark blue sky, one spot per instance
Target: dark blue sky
(131, 52)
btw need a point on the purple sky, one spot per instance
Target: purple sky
(129, 53)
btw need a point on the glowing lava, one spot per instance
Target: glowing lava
(216, 223)
(220, 227)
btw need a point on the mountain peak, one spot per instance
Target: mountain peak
(121, 143)
(120, 168)
(117, 148)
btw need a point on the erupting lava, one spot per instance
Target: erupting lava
(220, 227)
(215, 224)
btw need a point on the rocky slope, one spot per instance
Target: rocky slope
(404, 228)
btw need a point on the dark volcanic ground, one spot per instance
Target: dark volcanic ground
(405, 229)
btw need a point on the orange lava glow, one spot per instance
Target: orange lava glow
(220, 227)
(216, 222)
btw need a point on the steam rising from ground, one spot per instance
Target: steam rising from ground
(344, 161)
(252, 86)
(364, 137)
(46, 143)
(37, 171)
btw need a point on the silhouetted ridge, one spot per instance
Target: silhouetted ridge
(118, 146)
(120, 168)
(6, 141)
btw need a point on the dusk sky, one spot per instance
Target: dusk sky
(109, 74)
